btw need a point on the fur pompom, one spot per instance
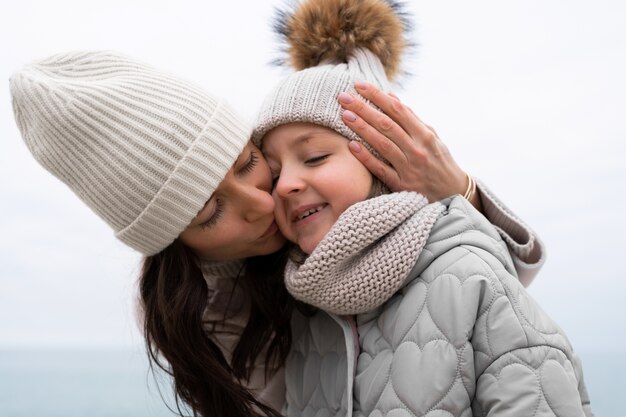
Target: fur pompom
(318, 31)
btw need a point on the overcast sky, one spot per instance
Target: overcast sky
(529, 95)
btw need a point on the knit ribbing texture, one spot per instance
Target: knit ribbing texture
(143, 149)
(310, 95)
(366, 256)
(225, 295)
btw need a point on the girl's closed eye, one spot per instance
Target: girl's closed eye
(316, 159)
(215, 216)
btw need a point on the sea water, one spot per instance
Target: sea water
(73, 383)
(116, 383)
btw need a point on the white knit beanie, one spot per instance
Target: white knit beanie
(143, 149)
(333, 44)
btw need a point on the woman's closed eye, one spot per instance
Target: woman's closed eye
(215, 216)
(252, 161)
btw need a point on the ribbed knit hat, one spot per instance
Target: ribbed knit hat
(333, 44)
(143, 149)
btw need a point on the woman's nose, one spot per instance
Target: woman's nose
(256, 203)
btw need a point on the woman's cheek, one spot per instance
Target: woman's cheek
(279, 215)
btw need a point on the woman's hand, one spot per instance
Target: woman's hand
(418, 159)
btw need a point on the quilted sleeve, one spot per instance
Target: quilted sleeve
(535, 381)
(524, 364)
(526, 249)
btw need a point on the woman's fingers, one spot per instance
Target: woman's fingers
(422, 137)
(418, 160)
(382, 171)
(391, 105)
(379, 138)
(378, 129)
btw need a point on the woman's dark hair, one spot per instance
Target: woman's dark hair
(173, 297)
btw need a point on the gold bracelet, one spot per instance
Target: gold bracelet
(471, 188)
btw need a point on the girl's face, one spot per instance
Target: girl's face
(316, 178)
(238, 220)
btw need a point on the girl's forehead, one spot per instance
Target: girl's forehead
(292, 136)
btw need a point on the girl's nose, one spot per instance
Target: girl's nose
(289, 183)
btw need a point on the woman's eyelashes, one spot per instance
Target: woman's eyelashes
(251, 163)
(211, 221)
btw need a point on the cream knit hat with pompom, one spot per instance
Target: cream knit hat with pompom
(143, 149)
(332, 44)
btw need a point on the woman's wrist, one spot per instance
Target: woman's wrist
(472, 194)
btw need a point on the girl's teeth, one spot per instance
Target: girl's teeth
(309, 212)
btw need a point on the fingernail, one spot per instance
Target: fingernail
(345, 98)
(355, 146)
(360, 85)
(349, 115)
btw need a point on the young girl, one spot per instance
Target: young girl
(422, 311)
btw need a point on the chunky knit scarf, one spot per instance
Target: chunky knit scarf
(367, 254)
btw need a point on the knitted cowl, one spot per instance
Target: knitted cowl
(367, 254)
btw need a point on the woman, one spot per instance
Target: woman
(171, 170)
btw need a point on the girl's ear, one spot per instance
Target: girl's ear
(378, 188)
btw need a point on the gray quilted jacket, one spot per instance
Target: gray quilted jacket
(461, 338)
